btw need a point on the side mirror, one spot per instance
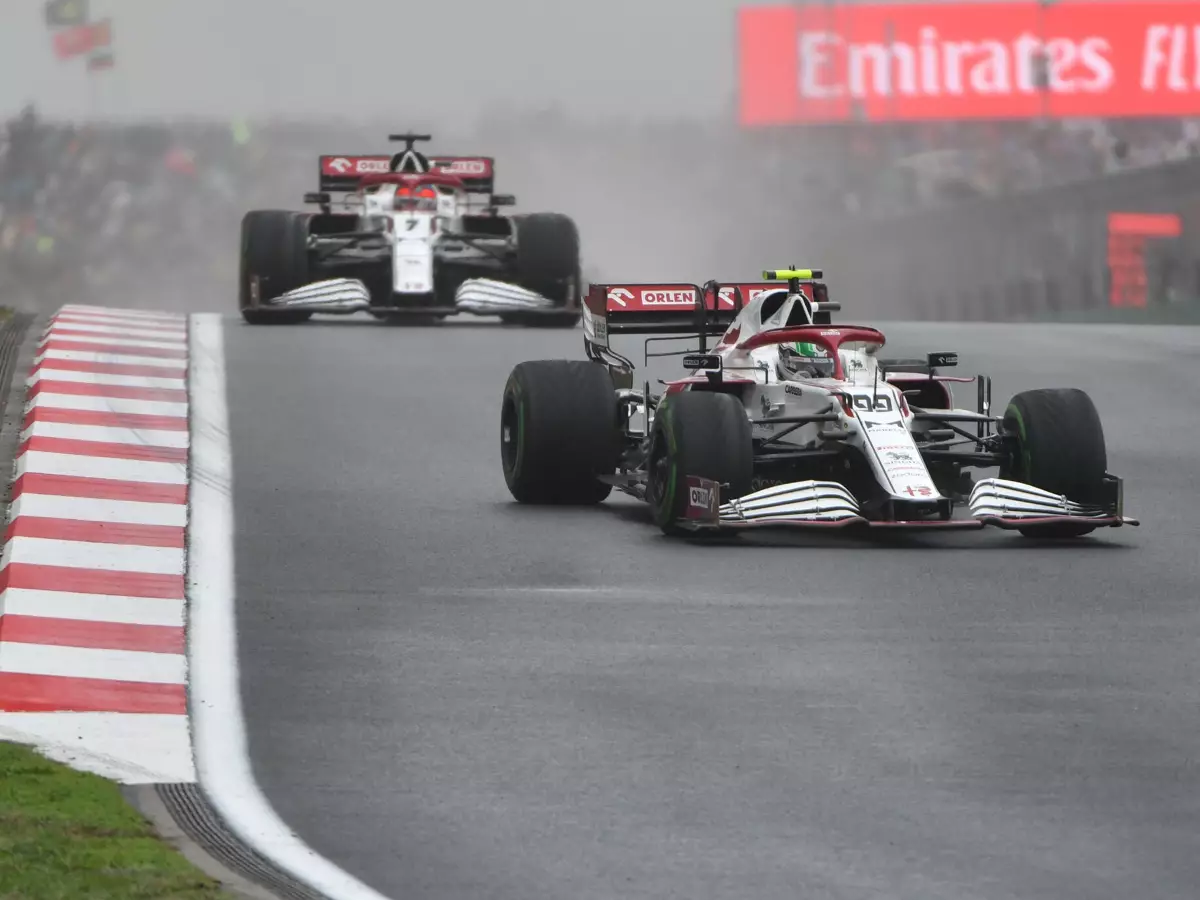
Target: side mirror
(319, 198)
(942, 360)
(709, 363)
(503, 200)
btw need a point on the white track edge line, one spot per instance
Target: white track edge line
(214, 699)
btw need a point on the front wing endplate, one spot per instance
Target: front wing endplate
(487, 297)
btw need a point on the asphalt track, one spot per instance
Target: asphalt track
(453, 697)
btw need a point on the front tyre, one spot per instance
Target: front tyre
(1058, 446)
(703, 434)
(558, 432)
(274, 260)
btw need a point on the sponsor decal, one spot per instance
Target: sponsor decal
(761, 484)
(669, 298)
(816, 62)
(476, 167)
(355, 165)
(699, 361)
(918, 490)
(620, 296)
(793, 389)
(728, 295)
(897, 456)
(703, 499)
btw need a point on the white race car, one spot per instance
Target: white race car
(793, 421)
(414, 236)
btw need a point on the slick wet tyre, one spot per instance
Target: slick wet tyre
(703, 434)
(274, 260)
(559, 432)
(1058, 446)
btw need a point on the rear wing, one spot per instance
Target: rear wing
(341, 174)
(685, 308)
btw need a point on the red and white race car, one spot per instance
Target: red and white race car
(413, 236)
(791, 420)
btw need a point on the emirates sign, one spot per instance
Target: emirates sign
(824, 63)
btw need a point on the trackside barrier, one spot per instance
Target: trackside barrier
(1126, 241)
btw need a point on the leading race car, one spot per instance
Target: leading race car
(793, 421)
(414, 236)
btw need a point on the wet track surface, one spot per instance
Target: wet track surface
(453, 697)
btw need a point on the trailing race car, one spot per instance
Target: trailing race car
(415, 236)
(793, 421)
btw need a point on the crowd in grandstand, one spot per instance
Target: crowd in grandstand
(98, 204)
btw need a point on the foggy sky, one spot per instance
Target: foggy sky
(304, 59)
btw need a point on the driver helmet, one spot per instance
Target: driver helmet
(804, 360)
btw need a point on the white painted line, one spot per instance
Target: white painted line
(218, 726)
(66, 326)
(91, 607)
(86, 662)
(112, 341)
(120, 359)
(48, 373)
(111, 745)
(83, 555)
(87, 509)
(42, 463)
(108, 404)
(106, 434)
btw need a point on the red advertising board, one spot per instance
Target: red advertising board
(82, 39)
(824, 62)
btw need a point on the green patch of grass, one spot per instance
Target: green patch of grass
(66, 835)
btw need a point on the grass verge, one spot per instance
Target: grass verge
(66, 835)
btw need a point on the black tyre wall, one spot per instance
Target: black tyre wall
(559, 431)
(1059, 444)
(703, 434)
(275, 249)
(548, 257)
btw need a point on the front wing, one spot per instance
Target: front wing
(480, 296)
(826, 504)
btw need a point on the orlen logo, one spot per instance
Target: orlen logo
(668, 298)
(466, 167)
(700, 497)
(728, 296)
(620, 296)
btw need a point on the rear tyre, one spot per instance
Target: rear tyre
(274, 260)
(703, 434)
(1059, 447)
(558, 432)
